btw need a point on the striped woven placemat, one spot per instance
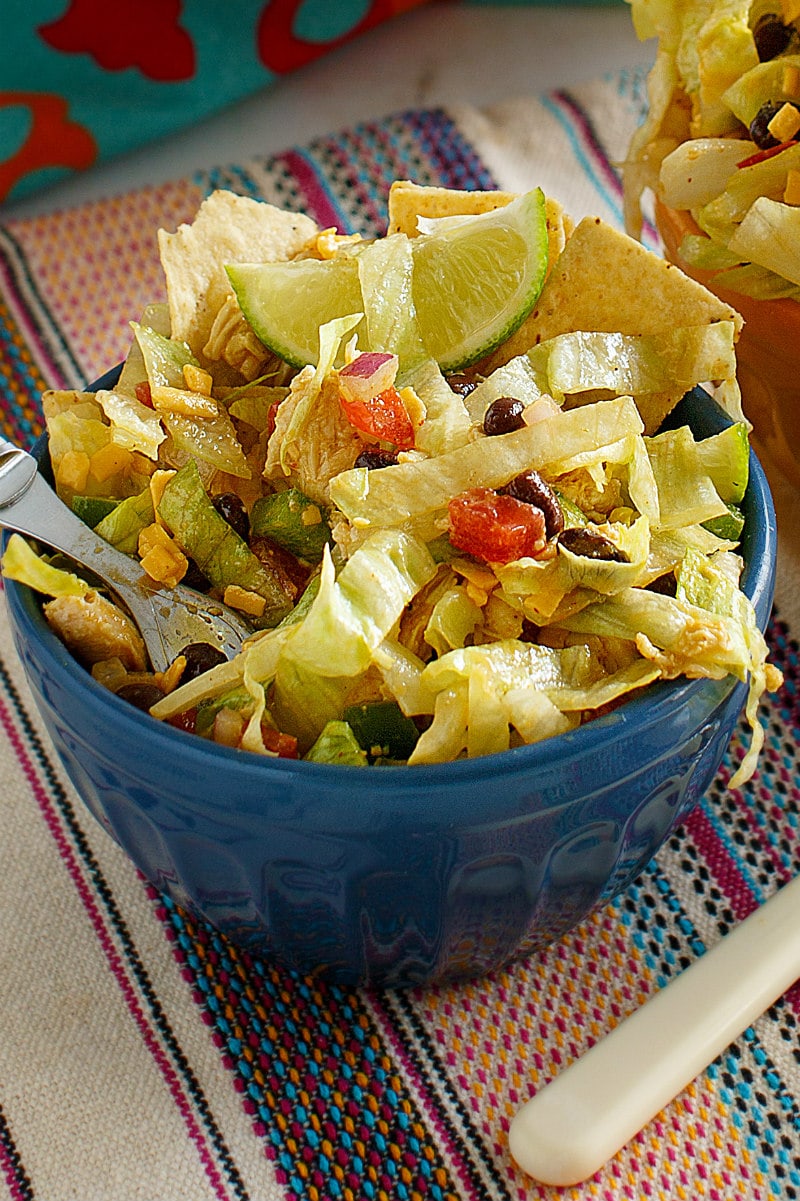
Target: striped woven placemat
(141, 1055)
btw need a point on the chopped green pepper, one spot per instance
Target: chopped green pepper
(293, 521)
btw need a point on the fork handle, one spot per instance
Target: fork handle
(575, 1124)
(30, 506)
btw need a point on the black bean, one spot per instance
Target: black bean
(195, 578)
(200, 658)
(771, 36)
(372, 457)
(231, 507)
(461, 383)
(590, 544)
(759, 132)
(143, 696)
(503, 415)
(531, 488)
(667, 585)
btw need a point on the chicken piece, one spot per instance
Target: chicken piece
(93, 629)
(328, 443)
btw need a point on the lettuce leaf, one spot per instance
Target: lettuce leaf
(337, 744)
(544, 583)
(354, 612)
(447, 423)
(22, 563)
(331, 336)
(164, 359)
(222, 556)
(629, 364)
(685, 491)
(133, 425)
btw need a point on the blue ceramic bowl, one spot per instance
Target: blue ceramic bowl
(398, 875)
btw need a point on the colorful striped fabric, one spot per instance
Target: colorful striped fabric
(144, 1057)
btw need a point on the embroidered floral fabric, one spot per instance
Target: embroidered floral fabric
(85, 79)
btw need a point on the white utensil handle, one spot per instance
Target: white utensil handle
(575, 1124)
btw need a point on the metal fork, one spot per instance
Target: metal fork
(167, 619)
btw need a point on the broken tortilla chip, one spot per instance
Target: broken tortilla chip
(409, 200)
(606, 281)
(227, 229)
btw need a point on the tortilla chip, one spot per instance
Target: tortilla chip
(606, 281)
(408, 200)
(227, 229)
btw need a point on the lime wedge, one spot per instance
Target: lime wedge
(286, 303)
(475, 279)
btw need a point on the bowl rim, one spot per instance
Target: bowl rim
(640, 712)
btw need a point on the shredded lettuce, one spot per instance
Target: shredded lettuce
(413, 490)
(164, 358)
(337, 744)
(627, 364)
(134, 426)
(447, 423)
(385, 269)
(686, 494)
(22, 563)
(355, 612)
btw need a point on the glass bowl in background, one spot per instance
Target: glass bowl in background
(767, 354)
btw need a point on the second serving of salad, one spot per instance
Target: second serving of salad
(427, 467)
(721, 140)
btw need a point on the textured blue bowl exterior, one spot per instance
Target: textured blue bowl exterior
(397, 876)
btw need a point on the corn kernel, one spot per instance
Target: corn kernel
(152, 535)
(169, 680)
(791, 193)
(244, 601)
(790, 11)
(328, 242)
(73, 470)
(183, 402)
(161, 557)
(162, 566)
(791, 82)
(481, 577)
(109, 460)
(140, 464)
(785, 124)
(197, 380)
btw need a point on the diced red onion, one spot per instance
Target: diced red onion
(368, 375)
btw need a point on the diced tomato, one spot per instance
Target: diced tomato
(282, 745)
(143, 394)
(383, 416)
(495, 527)
(762, 155)
(184, 721)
